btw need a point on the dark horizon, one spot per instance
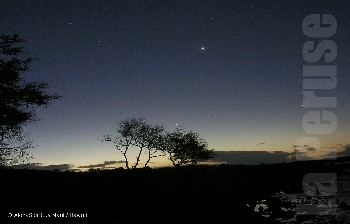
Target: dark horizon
(221, 157)
(230, 71)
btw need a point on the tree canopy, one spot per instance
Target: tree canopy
(136, 133)
(18, 99)
(182, 147)
(186, 148)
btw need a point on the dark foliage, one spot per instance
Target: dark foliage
(18, 99)
(185, 147)
(136, 134)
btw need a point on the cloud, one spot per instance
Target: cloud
(300, 155)
(345, 151)
(121, 161)
(300, 146)
(330, 155)
(106, 163)
(103, 165)
(311, 149)
(39, 166)
(299, 152)
(264, 143)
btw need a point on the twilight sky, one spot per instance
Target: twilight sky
(229, 70)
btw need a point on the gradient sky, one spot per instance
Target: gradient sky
(112, 60)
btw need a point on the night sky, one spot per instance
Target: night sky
(228, 70)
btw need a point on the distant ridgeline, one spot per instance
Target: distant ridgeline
(252, 157)
(265, 157)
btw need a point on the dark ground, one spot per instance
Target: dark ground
(199, 194)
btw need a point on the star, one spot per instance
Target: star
(203, 49)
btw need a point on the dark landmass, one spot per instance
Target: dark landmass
(252, 157)
(197, 194)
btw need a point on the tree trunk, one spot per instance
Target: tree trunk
(126, 161)
(172, 160)
(138, 158)
(149, 158)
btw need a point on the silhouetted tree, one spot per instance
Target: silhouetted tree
(137, 134)
(153, 137)
(18, 100)
(186, 148)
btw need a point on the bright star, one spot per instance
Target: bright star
(203, 48)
